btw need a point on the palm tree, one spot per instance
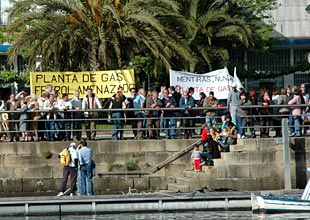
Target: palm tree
(216, 31)
(95, 34)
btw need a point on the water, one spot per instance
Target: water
(232, 215)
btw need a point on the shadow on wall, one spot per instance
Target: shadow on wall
(301, 163)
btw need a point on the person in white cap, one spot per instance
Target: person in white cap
(71, 170)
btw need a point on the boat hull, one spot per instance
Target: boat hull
(271, 204)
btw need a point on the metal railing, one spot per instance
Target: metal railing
(101, 118)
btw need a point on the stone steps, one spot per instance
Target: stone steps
(250, 165)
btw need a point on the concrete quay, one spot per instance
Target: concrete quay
(33, 169)
(135, 202)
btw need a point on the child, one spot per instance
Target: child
(196, 158)
(223, 139)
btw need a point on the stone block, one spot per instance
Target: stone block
(185, 159)
(12, 185)
(153, 146)
(34, 172)
(178, 145)
(7, 172)
(57, 171)
(26, 148)
(40, 185)
(161, 172)
(266, 144)
(154, 158)
(102, 168)
(129, 146)
(233, 171)
(245, 145)
(235, 158)
(158, 183)
(141, 183)
(178, 188)
(110, 146)
(23, 161)
(260, 171)
(8, 148)
(250, 184)
(218, 184)
(176, 170)
(113, 185)
(272, 183)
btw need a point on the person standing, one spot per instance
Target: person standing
(187, 102)
(169, 115)
(264, 100)
(253, 111)
(242, 114)
(233, 101)
(23, 124)
(135, 101)
(41, 122)
(90, 102)
(65, 116)
(86, 169)
(12, 105)
(153, 116)
(296, 113)
(116, 104)
(70, 170)
(51, 117)
(210, 102)
(76, 103)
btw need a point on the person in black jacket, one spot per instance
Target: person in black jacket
(210, 152)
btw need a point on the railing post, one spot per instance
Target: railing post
(286, 155)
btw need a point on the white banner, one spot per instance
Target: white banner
(218, 81)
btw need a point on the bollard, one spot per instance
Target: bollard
(286, 155)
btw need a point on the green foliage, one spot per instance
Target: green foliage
(47, 155)
(115, 167)
(153, 35)
(131, 165)
(10, 76)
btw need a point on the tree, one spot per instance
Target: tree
(214, 33)
(95, 34)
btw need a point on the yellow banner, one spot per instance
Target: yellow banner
(103, 83)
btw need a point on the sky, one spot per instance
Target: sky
(4, 4)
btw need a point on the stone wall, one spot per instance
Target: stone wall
(24, 170)
(253, 164)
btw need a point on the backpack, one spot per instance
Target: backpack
(65, 157)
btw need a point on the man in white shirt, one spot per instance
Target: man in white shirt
(70, 170)
(65, 116)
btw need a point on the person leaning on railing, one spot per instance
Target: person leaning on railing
(264, 100)
(12, 105)
(90, 102)
(187, 102)
(51, 116)
(296, 113)
(153, 116)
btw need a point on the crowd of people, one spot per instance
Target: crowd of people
(217, 139)
(150, 113)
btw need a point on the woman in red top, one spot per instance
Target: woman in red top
(204, 133)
